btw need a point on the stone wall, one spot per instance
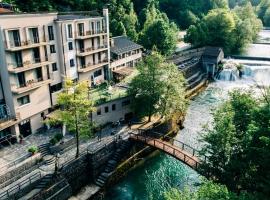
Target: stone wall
(97, 160)
(20, 170)
(77, 173)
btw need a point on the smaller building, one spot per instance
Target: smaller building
(125, 54)
(211, 58)
(6, 8)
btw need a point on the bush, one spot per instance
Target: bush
(56, 138)
(33, 149)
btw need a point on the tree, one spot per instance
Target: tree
(156, 85)
(208, 190)
(238, 144)
(75, 109)
(162, 35)
(266, 18)
(232, 30)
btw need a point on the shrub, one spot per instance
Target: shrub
(33, 149)
(56, 138)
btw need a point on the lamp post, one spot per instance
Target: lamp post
(56, 166)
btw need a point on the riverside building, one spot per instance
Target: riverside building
(37, 51)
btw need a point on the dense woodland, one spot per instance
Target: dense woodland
(231, 24)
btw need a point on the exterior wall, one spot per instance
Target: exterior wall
(41, 98)
(111, 116)
(119, 63)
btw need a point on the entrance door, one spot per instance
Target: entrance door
(25, 128)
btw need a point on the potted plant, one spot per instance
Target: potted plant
(33, 149)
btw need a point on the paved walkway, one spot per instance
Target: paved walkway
(16, 151)
(94, 143)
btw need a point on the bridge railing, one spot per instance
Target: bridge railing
(183, 146)
(172, 150)
(177, 143)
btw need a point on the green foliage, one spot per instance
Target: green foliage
(158, 88)
(33, 149)
(56, 138)
(208, 190)
(238, 144)
(158, 32)
(75, 109)
(232, 30)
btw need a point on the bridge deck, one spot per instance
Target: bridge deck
(178, 153)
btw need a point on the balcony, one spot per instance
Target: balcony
(92, 50)
(91, 66)
(31, 85)
(17, 45)
(27, 65)
(90, 34)
(8, 121)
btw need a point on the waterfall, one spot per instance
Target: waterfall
(228, 75)
(259, 73)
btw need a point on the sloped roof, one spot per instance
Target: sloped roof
(212, 51)
(123, 44)
(4, 10)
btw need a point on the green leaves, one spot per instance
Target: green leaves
(238, 144)
(232, 30)
(158, 88)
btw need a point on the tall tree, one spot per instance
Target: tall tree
(156, 86)
(75, 109)
(238, 145)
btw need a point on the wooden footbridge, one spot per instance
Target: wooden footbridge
(178, 149)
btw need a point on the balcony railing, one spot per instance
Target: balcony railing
(8, 120)
(25, 44)
(92, 66)
(91, 50)
(27, 65)
(31, 84)
(90, 33)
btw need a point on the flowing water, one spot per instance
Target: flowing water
(162, 172)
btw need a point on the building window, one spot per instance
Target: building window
(98, 111)
(81, 29)
(106, 109)
(98, 73)
(56, 88)
(71, 63)
(51, 35)
(54, 67)
(70, 31)
(52, 49)
(23, 100)
(114, 107)
(126, 102)
(70, 46)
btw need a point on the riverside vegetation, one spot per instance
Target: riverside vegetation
(230, 24)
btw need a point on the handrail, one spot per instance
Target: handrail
(13, 163)
(180, 153)
(16, 188)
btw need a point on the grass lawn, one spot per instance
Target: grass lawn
(104, 93)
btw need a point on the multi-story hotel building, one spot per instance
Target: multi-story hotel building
(37, 51)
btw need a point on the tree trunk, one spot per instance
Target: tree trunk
(77, 137)
(149, 118)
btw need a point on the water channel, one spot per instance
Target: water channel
(162, 172)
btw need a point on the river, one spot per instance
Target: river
(162, 172)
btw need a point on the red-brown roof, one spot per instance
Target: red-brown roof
(4, 10)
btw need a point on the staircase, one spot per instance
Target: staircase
(39, 187)
(44, 181)
(111, 165)
(44, 149)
